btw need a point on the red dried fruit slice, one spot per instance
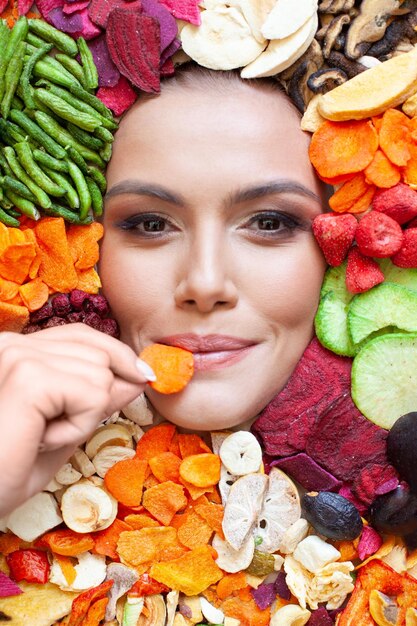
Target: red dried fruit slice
(3, 5)
(319, 378)
(99, 10)
(118, 98)
(186, 10)
(23, 6)
(344, 441)
(308, 473)
(134, 45)
(370, 478)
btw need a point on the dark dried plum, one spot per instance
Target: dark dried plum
(395, 512)
(332, 515)
(401, 448)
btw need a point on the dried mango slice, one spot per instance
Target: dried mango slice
(136, 547)
(164, 500)
(192, 573)
(201, 470)
(173, 367)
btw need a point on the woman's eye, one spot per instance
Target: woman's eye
(272, 223)
(147, 224)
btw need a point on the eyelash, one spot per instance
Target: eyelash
(289, 222)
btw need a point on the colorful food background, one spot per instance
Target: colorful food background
(312, 517)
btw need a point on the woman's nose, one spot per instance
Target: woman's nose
(206, 282)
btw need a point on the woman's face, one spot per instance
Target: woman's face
(208, 244)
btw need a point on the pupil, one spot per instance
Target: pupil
(154, 225)
(268, 224)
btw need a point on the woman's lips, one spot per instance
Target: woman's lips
(211, 352)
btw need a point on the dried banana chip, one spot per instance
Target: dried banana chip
(255, 13)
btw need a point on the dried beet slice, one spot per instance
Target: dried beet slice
(99, 10)
(118, 98)
(167, 68)
(307, 472)
(67, 23)
(370, 478)
(186, 10)
(167, 22)
(72, 7)
(133, 41)
(169, 51)
(46, 6)
(343, 441)
(23, 6)
(286, 423)
(88, 30)
(108, 74)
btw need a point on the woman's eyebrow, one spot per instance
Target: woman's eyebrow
(274, 187)
(144, 189)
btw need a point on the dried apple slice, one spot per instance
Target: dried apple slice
(286, 17)
(243, 507)
(231, 560)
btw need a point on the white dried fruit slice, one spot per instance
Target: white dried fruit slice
(241, 453)
(34, 517)
(287, 17)
(225, 483)
(138, 411)
(217, 438)
(172, 603)
(231, 560)
(223, 41)
(91, 571)
(255, 13)
(38, 605)
(280, 509)
(108, 456)
(87, 508)
(243, 507)
(67, 475)
(109, 435)
(281, 53)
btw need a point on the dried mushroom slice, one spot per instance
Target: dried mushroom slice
(243, 507)
(336, 6)
(280, 509)
(332, 33)
(369, 26)
(325, 80)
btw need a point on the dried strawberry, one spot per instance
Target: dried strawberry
(334, 234)
(286, 423)
(133, 41)
(378, 235)
(399, 202)
(407, 255)
(362, 272)
(99, 10)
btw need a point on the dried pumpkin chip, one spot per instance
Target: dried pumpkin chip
(190, 444)
(230, 583)
(410, 170)
(381, 172)
(212, 514)
(4, 237)
(164, 500)
(194, 531)
(57, 267)
(191, 573)
(83, 244)
(155, 441)
(8, 289)
(136, 547)
(16, 260)
(247, 612)
(13, 317)
(106, 540)
(195, 492)
(395, 137)
(140, 520)
(165, 466)
(355, 196)
(201, 470)
(124, 480)
(88, 280)
(34, 294)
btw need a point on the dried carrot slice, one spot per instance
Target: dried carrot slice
(106, 540)
(195, 492)
(13, 317)
(191, 444)
(355, 196)
(83, 244)
(165, 466)
(66, 542)
(8, 289)
(337, 180)
(212, 514)
(410, 170)
(230, 583)
(4, 237)
(57, 267)
(16, 260)
(136, 547)
(164, 500)
(140, 520)
(194, 531)
(34, 294)
(173, 367)
(246, 612)
(381, 172)
(174, 446)
(172, 552)
(124, 480)
(201, 470)
(67, 567)
(88, 280)
(191, 573)
(395, 137)
(155, 441)
(339, 148)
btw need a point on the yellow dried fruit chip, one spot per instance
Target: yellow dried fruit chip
(140, 546)
(201, 470)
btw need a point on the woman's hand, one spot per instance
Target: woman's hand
(55, 388)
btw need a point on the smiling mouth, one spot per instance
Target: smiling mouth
(211, 352)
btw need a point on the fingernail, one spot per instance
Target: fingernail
(146, 370)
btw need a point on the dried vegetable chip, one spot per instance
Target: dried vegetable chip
(146, 586)
(246, 611)
(67, 567)
(140, 520)
(191, 444)
(96, 613)
(155, 441)
(136, 547)
(201, 470)
(186, 10)
(213, 514)
(8, 587)
(381, 172)
(13, 317)
(191, 573)
(395, 137)
(105, 541)
(133, 40)
(124, 480)
(194, 532)
(16, 260)
(173, 367)
(167, 23)
(230, 583)
(99, 10)
(9, 543)
(354, 196)
(165, 466)
(8, 289)
(195, 492)
(308, 473)
(66, 542)
(108, 74)
(164, 500)
(83, 244)
(88, 280)
(34, 294)
(118, 97)
(81, 605)
(57, 268)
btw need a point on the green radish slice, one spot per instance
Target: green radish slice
(399, 275)
(384, 378)
(386, 305)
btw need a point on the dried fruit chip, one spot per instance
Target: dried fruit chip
(57, 268)
(164, 500)
(13, 318)
(173, 367)
(186, 10)
(191, 444)
(66, 542)
(194, 532)
(165, 466)
(192, 573)
(83, 244)
(118, 97)
(155, 441)
(124, 480)
(201, 470)
(136, 547)
(105, 541)
(133, 40)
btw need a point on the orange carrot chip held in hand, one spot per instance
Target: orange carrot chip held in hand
(136, 547)
(155, 441)
(164, 500)
(124, 480)
(339, 148)
(173, 367)
(192, 573)
(201, 470)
